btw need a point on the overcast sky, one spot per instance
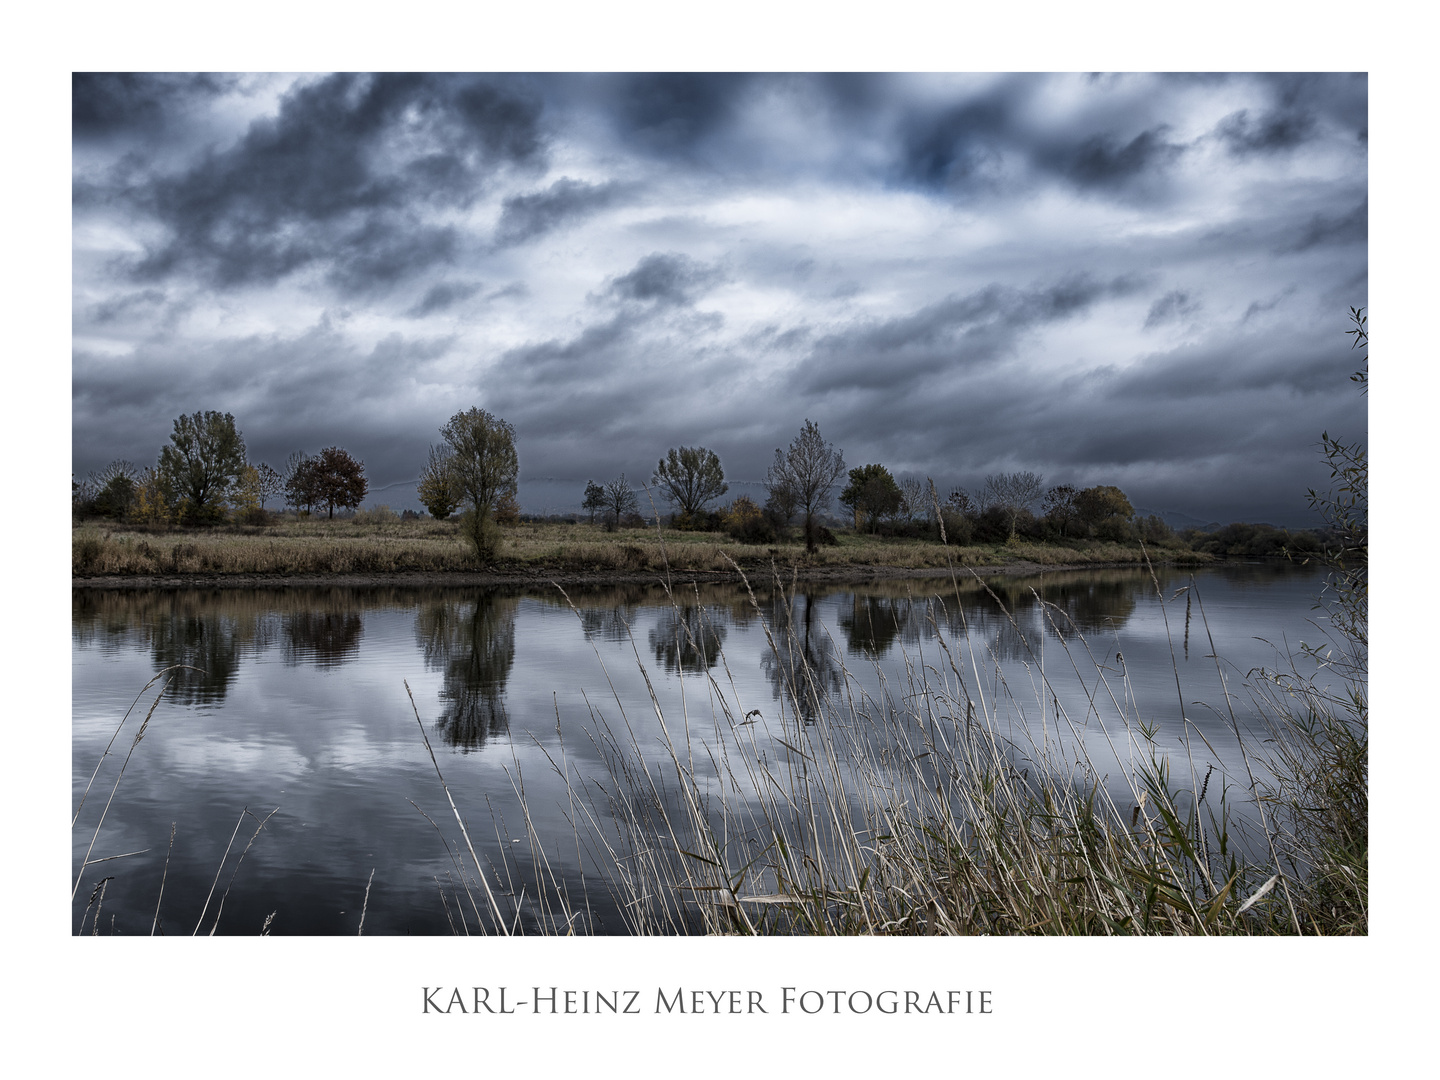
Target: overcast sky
(1133, 280)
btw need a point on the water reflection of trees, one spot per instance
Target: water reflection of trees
(804, 668)
(324, 638)
(203, 633)
(471, 642)
(687, 637)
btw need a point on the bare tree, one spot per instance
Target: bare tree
(806, 472)
(1059, 507)
(295, 481)
(914, 502)
(271, 483)
(620, 500)
(959, 502)
(1013, 492)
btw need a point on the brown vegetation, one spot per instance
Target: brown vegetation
(378, 542)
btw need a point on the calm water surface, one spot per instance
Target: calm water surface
(295, 701)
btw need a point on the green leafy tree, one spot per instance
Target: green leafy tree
(203, 460)
(806, 473)
(337, 479)
(872, 494)
(245, 496)
(439, 489)
(690, 477)
(154, 500)
(594, 498)
(114, 488)
(486, 467)
(1105, 511)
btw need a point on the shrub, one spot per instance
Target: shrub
(481, 533)
(376, 515)
(959, 527)
(992, 526)
(507, 509)
(86, 550)
(747, 523)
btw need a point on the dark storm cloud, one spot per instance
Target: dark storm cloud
(287, 393)
(382, 252)
(1277, 129)
(442, 297)
(982, 142)
(674, 113)
(110, 103)
(957, 333)
(951, 148)
(524, 217)
(1107, 161)
(666, 278)
(346, 161)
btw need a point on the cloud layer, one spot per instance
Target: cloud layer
(1139, 280)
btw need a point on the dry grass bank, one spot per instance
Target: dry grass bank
(323, 547)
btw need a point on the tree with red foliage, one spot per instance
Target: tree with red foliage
(331, 478)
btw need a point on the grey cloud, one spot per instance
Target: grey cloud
(1104, 161)
(988, 143)
(956, 333)
(383, 252)
(1174, 305)
(525, 217)
(952, 147)
(1277, 129)
(442, 297)
(1352, 227)
(673, 113)
(1260, 307)
(120, 306)
(666, 278)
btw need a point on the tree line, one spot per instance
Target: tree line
(800, 484)
(203, 476)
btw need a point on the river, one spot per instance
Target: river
(293, 707)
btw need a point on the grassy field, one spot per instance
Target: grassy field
(320, 546)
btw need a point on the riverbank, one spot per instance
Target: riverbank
(432, 553)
